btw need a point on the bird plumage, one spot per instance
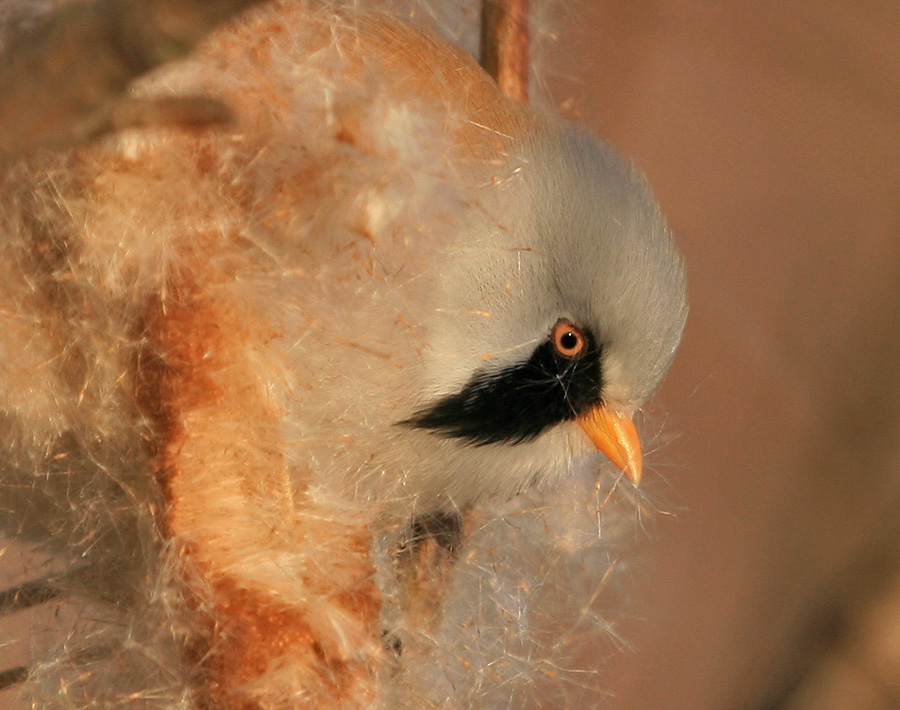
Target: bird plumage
(347, 297)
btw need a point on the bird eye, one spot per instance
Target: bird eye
(567, 339)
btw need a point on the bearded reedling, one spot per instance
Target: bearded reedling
(386, 292)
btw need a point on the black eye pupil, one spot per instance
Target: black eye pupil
(569, 341)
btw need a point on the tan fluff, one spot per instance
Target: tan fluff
(209, 340)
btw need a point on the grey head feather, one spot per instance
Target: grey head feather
(575, 233)
(611, 260)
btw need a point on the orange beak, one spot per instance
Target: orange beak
(614, 434)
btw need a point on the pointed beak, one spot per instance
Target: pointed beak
(614, 434)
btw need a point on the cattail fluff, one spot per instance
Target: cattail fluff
(215, 521)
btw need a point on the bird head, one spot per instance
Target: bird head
(560, 314)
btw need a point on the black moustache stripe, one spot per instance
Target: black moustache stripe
(517, 404)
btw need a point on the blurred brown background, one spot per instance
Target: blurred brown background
(771, 134)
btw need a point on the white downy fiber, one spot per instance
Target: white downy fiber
(299, 241)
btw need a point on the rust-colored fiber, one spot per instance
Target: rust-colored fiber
(257, 640)
(256, 632)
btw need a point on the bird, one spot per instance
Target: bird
(385, 293)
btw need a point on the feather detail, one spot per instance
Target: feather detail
(211, 337)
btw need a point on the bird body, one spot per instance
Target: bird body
(384, 290)
(390, 227)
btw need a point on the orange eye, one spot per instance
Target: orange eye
(567, 339)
